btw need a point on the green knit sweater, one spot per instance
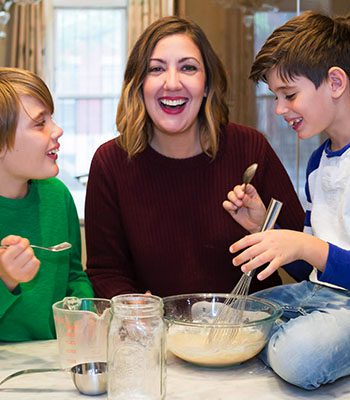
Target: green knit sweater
(46, 216)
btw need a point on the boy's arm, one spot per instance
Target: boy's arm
(17, 261)
(277, 248)
(7, 297)
(336, 271)
(10, 290)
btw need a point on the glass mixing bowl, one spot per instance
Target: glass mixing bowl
(195, 336)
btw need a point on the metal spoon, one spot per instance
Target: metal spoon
(248, 174)
(57, 247)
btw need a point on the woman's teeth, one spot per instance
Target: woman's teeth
(54, 151)
(173, 103)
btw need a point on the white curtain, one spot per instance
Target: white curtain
(142, 13)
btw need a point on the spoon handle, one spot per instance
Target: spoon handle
(57, 247)
(5, 246)
(30, 371)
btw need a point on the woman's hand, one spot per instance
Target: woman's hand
(246, 207)
(277, 248)
(17, 262)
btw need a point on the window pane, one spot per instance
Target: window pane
(90, 55)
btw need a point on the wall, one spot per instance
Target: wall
(83, 246)
(2, 51)
(199, 10)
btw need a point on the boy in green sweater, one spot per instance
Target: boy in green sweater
(35, 208)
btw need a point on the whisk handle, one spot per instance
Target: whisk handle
(271, 215)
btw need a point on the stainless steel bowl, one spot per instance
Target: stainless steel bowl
(90, 378)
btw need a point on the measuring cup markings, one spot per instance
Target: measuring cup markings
(82, 332)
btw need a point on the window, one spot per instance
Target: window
(89, 56)
(293, 153)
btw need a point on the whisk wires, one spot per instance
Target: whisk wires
(232, 310)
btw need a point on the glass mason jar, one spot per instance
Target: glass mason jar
(136, 348)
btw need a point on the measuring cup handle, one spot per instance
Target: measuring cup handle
(30, 371)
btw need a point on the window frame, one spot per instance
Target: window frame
(50, 61)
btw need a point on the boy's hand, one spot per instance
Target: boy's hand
(17, 262)
(277, 248)
(246, 207)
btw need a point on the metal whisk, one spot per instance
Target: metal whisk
(231, 311)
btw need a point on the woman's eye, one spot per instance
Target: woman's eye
(155, 69)
(189, 68)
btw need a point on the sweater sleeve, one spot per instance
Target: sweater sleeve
(79, 284)
(336, 268)
(109, 261)
(336, 271)
(298, 270)
(7, 297)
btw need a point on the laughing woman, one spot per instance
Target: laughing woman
(154, 215)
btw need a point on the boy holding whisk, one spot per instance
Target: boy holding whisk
(306, 63)
(35, 207)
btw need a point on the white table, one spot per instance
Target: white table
(251, 380)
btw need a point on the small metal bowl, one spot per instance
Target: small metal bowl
(90, 378)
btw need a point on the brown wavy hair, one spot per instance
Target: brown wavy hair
(16, 82)
(133, 122)
(307, 45)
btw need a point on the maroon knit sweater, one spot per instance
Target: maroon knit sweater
(157, 223)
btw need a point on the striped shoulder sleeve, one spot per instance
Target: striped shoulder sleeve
(313, 165)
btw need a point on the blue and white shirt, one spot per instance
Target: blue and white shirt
(328, 211)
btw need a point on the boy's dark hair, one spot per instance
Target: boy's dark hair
(307, 45)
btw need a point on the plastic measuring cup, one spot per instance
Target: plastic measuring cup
(82, 330)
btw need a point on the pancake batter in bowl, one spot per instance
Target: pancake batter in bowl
(193, 346)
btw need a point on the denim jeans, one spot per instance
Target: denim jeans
(310, 345)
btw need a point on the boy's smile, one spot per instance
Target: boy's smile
(34, 153)
(307, 110)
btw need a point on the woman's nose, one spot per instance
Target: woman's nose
(172, 80)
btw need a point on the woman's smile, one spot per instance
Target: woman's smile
(174, 87)
(173, 105)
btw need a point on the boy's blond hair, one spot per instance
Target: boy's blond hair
(307, 45)
(16, 82)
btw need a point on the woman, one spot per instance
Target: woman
(154, 215)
